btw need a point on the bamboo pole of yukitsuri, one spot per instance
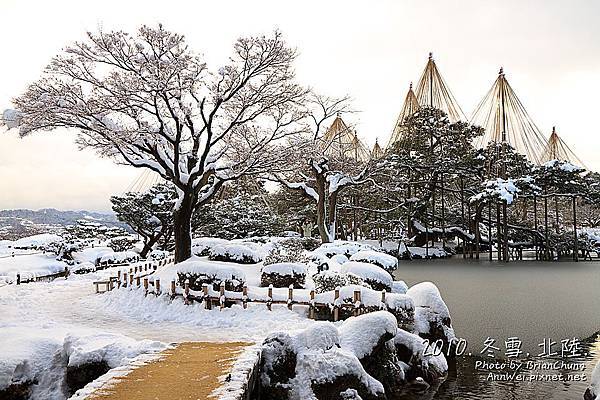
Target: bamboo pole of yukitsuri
(535, 228)
(505, 230)
(462, 214)
(490, 251)
(576, 245)
(546, 235)
(443, 211)
(498, 232)
(470, 226)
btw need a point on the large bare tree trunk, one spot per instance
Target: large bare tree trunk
(183, 227)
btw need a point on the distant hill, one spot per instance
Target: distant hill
(19, 223)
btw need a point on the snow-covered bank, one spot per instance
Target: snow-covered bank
(52, 362)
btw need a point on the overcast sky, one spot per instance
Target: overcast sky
(370, 50)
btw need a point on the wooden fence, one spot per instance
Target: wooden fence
(141, 270)
(224, 298)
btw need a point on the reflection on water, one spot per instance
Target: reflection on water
(529, 300)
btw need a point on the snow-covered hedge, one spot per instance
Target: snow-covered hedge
(283, 275)
(346, 248)
(375, 276)
(241, 253)
(120, 257)
(385, 261)
(198, 272)
(203, 245)
(82, 268)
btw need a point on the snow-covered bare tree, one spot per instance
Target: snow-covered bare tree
(149, 101)
(319, 173)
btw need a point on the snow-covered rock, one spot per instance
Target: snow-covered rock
(362, 334)
(593, 391)
(242, 253)
(385, 261)
(311, 365)
(375, 276)
(411, 350)
(432, 317)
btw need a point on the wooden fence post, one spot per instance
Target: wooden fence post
(222, 295)
(131, 279)
(145, 286)
(356, 302)
(290, 296)
(245, 296)
(173, 288)
(207, 302)
(186, 291)
(270, 295)
(311, 312)
(383, 304)
(157, 286)
(119, 279)
(125, 279)
(336, 311)
(18, 279)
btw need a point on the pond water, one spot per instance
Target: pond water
(533, 301)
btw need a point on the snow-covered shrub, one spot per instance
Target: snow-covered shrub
(241, 253)
(120, 257)
(202, 246)
(122, 243)
(410, 349)
(198, 272)
(375, 276)
(385, 261)
(326, 281)
(283, 275)
(432, 317)
(399, 287)
(402, 307)
(289, 250)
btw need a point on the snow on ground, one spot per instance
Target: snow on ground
(37, 318)
(36, 241)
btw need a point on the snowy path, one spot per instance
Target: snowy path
(73, 304)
